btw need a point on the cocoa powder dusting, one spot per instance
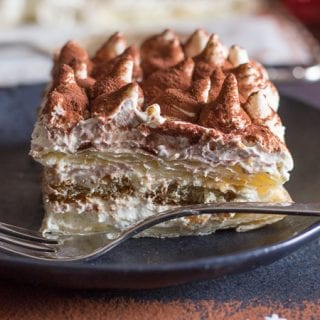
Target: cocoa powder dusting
(172, 101)
(104, 68)
(160, 52)
(67, 102)
(107, 103)
(110, 49)
(70, 53)
(200, 89)
(72, 50)
(225, 112)
(204, 90)
(21, 302)
(202, 69)
(177, 77)
(106, 86)
(196, 43)
(251, 77)
(217, 77)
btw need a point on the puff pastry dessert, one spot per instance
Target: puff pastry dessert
(132, 131)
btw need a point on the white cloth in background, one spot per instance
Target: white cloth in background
(265, 37)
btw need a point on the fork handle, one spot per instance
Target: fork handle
(294, 209)
(288, 208)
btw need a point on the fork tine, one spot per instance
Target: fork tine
(28, 244)
(25, 252)
(25, 233)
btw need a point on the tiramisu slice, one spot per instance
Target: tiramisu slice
(131, 132)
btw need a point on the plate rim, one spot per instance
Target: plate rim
(306, 235)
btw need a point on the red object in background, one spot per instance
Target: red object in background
(308, 11)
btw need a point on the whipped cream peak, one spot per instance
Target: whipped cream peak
(214, 52)
(108, 105)
(196, 43)
(161, 52)
(75, 56)
(178, 95)
(177, 77)
(113, 47)
(169, 35)
(257, 106)
(229, 94)
(237, 56)
(114, 76)
(251, 78)
(72, 50)
(225, 113)
(261, 113)
(67, 103)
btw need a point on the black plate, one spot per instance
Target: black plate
(147, 263)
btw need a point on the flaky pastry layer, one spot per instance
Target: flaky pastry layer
(89, 193)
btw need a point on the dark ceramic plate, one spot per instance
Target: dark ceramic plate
(147, 263)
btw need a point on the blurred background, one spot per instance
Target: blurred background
(278, 33)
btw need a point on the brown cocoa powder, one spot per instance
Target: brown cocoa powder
(172, 81)
(20, 302)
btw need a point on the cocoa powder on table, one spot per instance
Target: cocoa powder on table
(19, 302)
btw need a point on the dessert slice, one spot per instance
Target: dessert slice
(131, 132)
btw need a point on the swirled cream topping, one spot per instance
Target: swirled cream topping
(197, 99)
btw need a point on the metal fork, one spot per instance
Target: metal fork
(55, 247)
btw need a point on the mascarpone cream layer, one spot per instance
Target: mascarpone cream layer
(106, 142)
(118, 214)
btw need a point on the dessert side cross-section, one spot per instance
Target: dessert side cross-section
(133, 131)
